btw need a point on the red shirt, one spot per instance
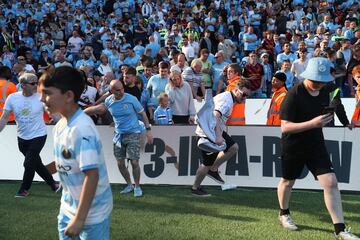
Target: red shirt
(251, 71)
(268, 45)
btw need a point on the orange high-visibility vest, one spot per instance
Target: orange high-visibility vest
(233, 83)
(46, 116)
(273, 116)
(237, 116)
(356, 116)
(6, 88)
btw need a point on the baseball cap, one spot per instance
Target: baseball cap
(318, 69)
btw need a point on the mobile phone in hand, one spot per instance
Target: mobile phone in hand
(328, 109)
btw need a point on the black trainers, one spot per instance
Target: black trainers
(22, 194)
(56, 187)
(215, 176)
(200, 192)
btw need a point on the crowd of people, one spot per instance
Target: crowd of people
(140, 62)
(192, 41)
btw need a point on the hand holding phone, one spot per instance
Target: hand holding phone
(328, 109)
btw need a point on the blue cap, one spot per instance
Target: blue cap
(318, 69)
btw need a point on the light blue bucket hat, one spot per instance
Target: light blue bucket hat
(318, 69)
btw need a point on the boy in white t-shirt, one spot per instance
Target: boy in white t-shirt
(86, 202)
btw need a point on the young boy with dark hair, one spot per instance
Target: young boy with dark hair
(86, 202)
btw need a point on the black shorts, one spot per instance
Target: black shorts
(210, 157)
(293, 164)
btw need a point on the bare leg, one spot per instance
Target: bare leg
(332, 196)
(124, 171)
(284, 192)
(136, 172)
(200, 175)
(224, 156)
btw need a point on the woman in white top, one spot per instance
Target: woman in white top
(181, 99)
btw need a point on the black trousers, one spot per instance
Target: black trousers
(31, 150)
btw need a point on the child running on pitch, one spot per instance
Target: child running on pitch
(86, 202)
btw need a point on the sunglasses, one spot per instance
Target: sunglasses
(31, 83)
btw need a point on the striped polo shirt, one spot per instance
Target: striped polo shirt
(77, 148)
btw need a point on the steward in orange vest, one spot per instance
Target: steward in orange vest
(356, 115)
(280, 91)
(237, 116)
(355, 121)
(6, 88)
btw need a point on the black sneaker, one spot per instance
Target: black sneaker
(21, 194)
(215, 176)
(200, 192)
(56, 187)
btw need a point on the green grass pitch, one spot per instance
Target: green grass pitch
(171, 212)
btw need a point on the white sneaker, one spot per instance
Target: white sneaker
(346, 235)
(228, 186)
(138, 192)
(127, 189)
(287, 222)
